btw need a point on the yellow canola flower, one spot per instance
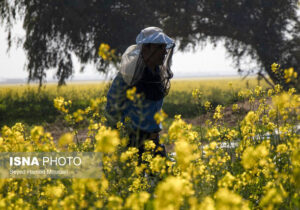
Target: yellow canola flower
(227, 180)
(231, 134)
(281, 148)
(289, 74)
(171, 192)
(254, 157)
(66, 139)
(275, 67)
(54, 191)
(258, 90)
(278, 88)
(130, 93)
(285, 102)
(292, 91)
(251, 100)
(137, 200)
(226, 199)
(120, 125)
(92, 185)
(95, 103)
(114, 202)
(270, 92)
(37, 132)
(18, 127)
(6, 131)
(160, 116)
(213, 145)
(245, 93)
(104, 51)
(185, 153)
(60, 104)
(137, 185)
(212, 133)
(177, 128)
(235, 107)
(207, 105)
(78, 115)
(271, 198)
(207, 204)
(149, 145)
(129, 154)
(251, 118)
(271, 126)
(158, 164)
(197, 94)
(106, 140)
(218, 112)
(265, 119)
(295, 75)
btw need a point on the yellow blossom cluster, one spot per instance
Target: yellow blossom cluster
(61, 104)
(218, 113)
(288, 75)
(252, 165)
(132, 95)
(105, 52)
(160, 116)
(197, 94)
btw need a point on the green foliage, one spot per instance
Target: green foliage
(35, 107)
(265, 31)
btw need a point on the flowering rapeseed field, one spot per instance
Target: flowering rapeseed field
(255, 165)
(26, 103)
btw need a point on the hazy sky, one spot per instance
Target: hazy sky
(208, 61)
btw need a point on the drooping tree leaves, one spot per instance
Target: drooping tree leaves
(57, 28)
(267, 31)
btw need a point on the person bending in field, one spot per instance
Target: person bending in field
(146, 67)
